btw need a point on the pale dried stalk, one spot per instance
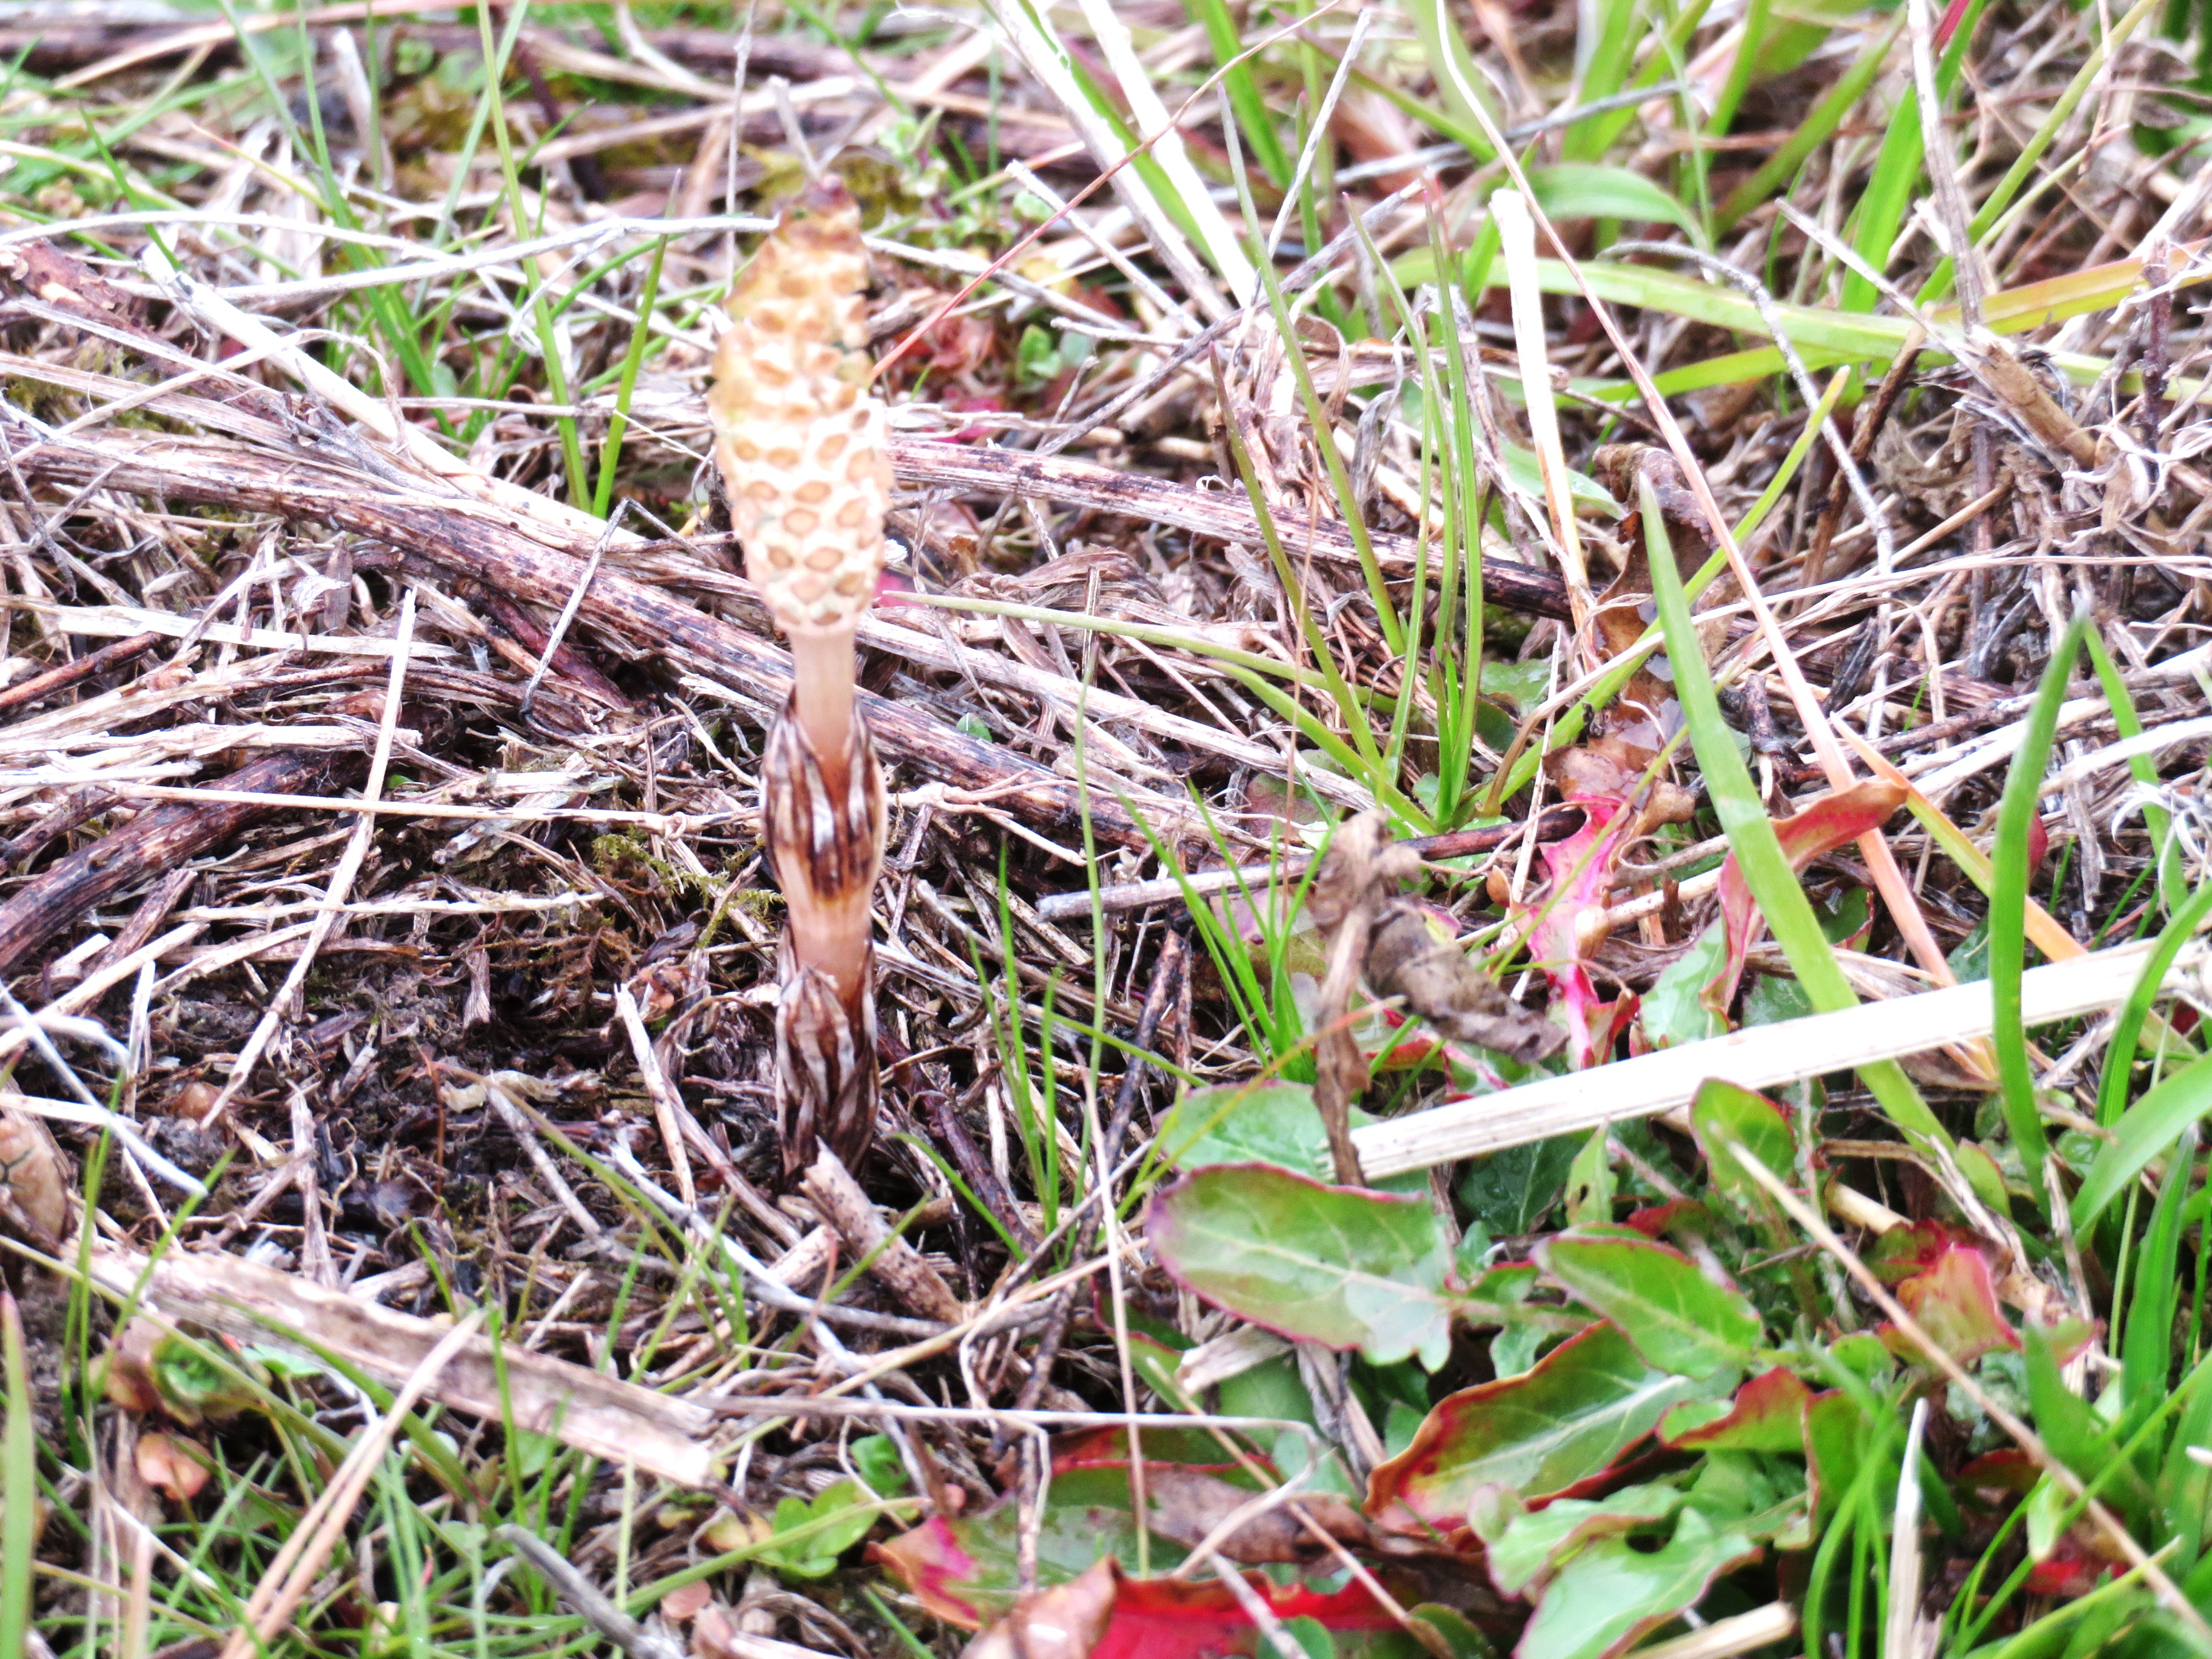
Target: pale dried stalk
(803, 452)
(902, 1268)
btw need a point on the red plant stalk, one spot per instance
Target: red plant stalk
(802, 448)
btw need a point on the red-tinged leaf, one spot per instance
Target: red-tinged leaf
(1843, 816)
(1566, 917)
(966, 1569)
(2001, 1476)
(1678, 1319)
(1119, 1616)
(685, 1602)
(1107, 1448)
(933, 1564)
(1955, 1302)
(1767, 1415)
(1336, 1265)
(2072, 1569)
(1680, 1214)
(1613, 1593)
(1902, 1252)
(1170, 1619)
(1574, 1415)
(172, 1466)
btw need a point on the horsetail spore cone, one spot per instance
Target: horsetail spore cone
(801, 443)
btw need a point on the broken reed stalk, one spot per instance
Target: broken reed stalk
(803, 452)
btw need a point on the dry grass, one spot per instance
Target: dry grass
(388, 938)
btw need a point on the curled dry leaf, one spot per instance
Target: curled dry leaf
(1842, 816)
(1065, 1622)
(32, 1170)
(1187, 1505)
(682, 1605)
(173, 1467)
(1415, 954)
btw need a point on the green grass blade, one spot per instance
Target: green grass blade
(2009, 908)
(1323, 430)
(1757, 849)
(1243, 92)
(633, 360)
(1814, 131)
(1755, 18)
(1603, 57)
(2151, 1127)
(2127, 1029)
(19, 1487)
(1896, 169)
(2146, 1343)
(1458, 82)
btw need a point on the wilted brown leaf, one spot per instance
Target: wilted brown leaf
(1064, 1622)
(174, 1468)
(31, 1169)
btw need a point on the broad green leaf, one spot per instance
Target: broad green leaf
(1339, 1265)
(1273, 1123)
(1573, 1416)
(1754, 1494)
(1678, 1319)
(1723, 1115)
(1586, 190)
(1611, 1593)
(1527, 1547)
(1839, 1441)
(1523, 685)
(1511, 1191)
(1587, 494)
(1589, 1181)
(848, 1507)
(2150, 1128)
(1675, 1009)
(1462, 1640)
